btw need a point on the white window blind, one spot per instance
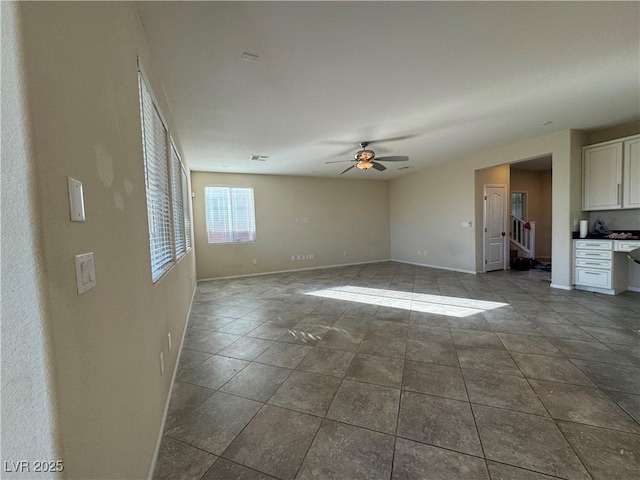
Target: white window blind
(178, 203)
(187, 211)
(155, 140)
(230, 214)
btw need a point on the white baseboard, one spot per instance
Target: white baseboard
(560, 287)
(634, 289)
(438, 267)
(293, 270)
(154, 460)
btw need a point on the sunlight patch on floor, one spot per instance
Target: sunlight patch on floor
(417, 302)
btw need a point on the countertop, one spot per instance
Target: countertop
(635, 233)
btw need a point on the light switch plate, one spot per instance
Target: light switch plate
(76, 200)
(85, 272)
(466, 224)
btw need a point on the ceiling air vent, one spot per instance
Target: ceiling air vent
(403, 168)
(259, 158)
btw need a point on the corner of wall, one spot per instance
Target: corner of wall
(29, 417)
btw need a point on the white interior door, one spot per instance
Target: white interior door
(495, 222)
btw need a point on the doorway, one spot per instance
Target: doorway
(495, 227)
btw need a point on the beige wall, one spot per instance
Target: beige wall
(81, 86)
(537, 184)
(28, 396)
(428, 206)
(612, 133)
(349, 216)
(546, 214)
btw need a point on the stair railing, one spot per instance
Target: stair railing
(523, 235)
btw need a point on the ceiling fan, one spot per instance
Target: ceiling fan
(365, 159)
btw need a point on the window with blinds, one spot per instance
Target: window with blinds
(167, 188)
(187, 212)
(155, 142)
(230, 214)
(178, 204)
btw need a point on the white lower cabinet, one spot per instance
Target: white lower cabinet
(589, 277)
(599, 266)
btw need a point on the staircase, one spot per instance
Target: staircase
(522, 236)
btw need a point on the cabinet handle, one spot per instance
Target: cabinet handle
(592, 273)
(619, 194)
(591, 263)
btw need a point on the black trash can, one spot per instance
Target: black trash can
(520, 263)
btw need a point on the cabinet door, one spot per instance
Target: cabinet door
(602, 177)
(631, 174)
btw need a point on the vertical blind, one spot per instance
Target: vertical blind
(178, 203)
(230, 214)
(155, 140)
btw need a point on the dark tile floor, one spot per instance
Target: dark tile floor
(395, 371)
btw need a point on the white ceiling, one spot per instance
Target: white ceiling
(459, 77)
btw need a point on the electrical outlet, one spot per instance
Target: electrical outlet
(424, 253)
(169, 340)
(344, 254)
(299, 257)
(297, 220)
(255, 261)
(293, 258)
(161, 363)
(306, 219)
(419, 253)
(311, 256)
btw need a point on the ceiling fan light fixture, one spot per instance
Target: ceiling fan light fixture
(364, 155)
(364, 165)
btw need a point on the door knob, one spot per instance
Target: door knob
(503, 234)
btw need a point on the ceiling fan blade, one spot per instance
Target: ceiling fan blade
(351, 151)
(379, 166)
(339, 161)
(391, 139)
(392, 159)
(347, 169)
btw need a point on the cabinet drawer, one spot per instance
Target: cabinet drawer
(593, 278)
(627, 245)
(587, 262)
(601, 254)
(594, 244)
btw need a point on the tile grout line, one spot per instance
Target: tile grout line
(475, 422)
(390, 285)
(551, 417)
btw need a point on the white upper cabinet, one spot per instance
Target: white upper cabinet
(611, 175)
(631, 174)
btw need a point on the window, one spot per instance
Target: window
(166, 186)
(178, 204)
(519, 205)
(154, 141)
(187, 212)
(230, 214)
